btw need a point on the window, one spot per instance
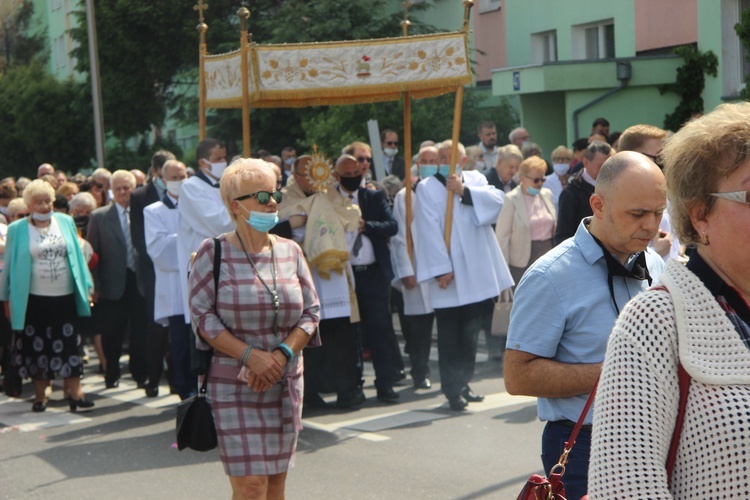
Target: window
(594, 41)
(489, 5)
(735, 67)
(544, 47)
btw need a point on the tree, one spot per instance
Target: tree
(689, 84)
(43, 120)
(19, 47)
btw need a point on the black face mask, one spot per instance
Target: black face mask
(81, 221)
(350, 183)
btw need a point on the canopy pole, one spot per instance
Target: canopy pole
(468, 4)
(407, 147)
(202, 28)
(244, 14)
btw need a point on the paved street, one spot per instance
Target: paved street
(417, 449)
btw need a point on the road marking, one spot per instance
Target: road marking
(16, 414)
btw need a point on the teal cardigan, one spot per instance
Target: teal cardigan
(17, 273)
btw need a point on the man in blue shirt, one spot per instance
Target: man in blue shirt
(567, 303)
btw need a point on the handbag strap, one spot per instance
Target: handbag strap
(574, 435)
(217, 270)
(684, 381)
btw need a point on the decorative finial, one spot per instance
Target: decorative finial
(244, 14)
(200, 7)
(406, 23)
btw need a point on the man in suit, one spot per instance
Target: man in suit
(509, 158)
(371, 262)
(394, 165)
(115, 283)
(157, 335)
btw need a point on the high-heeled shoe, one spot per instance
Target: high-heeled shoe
(38, 406)
(82, 403)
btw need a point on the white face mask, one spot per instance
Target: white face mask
(390, 152)
(216, 168)
(42, 217)
(561, 168)
(173, 187)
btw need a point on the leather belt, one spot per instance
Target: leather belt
(364, 268)
(571, 424)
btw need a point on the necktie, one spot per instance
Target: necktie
(128, 241)
(358, 241)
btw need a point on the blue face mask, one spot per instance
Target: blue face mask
(262, 221)
(160, 183)
(532, 191)
(426, 171)
(445, 170)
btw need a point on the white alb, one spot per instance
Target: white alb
(636, 403)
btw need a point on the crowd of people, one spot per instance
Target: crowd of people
(286, 261)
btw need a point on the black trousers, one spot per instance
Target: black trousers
(419, 328)
(458, 331)
(157, 346)
(125, 316)
(373, 297)
(335, 366)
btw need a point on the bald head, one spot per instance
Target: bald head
(618, 165)
(346, 162)
(44, 169)
(628, 202)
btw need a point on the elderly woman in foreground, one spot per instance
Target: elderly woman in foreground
(697, 320)
(265, 312)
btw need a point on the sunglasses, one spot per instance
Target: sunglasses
(536, 180)
(263, 197)
(391, 143)
(362, 159)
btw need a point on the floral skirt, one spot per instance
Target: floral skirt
(48, 346)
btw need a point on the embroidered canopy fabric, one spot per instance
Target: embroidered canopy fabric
(351, 72)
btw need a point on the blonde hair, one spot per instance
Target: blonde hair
(123, 174)
(532, 162)
(698, 156)
(634, 137)
(15, 206)
(68, 189)
(236, 174)
(562, 152)
(37, 187)
(509, 151)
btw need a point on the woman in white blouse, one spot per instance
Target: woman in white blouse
(526, 224)
(47, 282)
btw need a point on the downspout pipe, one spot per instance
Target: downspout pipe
(624, 72)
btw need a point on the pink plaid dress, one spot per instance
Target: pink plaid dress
(257, 431)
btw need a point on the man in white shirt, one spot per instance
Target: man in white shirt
(202, 212)
(161, 224)
(487, 133)
(465, 276)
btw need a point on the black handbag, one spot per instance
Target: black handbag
(200, 359)
(195, 423)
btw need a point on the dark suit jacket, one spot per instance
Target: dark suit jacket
(572, 206)
(108, 241)
(398, 168)
(140, 199)
(496, 181)
(380, 225)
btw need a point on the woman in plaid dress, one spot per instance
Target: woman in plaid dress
(265, 312)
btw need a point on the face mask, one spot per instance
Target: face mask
(261, 221)
(173, 188)
(159, 183)
(81, 221)
(445, 170)
(350, 183)
(390, 152)
(532, 191)
(289, 161)
(561, 168)
(426, 171)
(42, 217)
(217, 168)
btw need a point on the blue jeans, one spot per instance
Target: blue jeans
(577, 469)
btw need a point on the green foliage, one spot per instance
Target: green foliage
(431, 119)
(19, 47)
(43, 120)
(689, 84)
(120, 156)
(743, 33)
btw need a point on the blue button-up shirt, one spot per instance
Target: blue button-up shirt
(563, 310)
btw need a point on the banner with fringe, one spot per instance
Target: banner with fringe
(331, 73)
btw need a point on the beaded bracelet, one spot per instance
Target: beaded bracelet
(245, 356)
